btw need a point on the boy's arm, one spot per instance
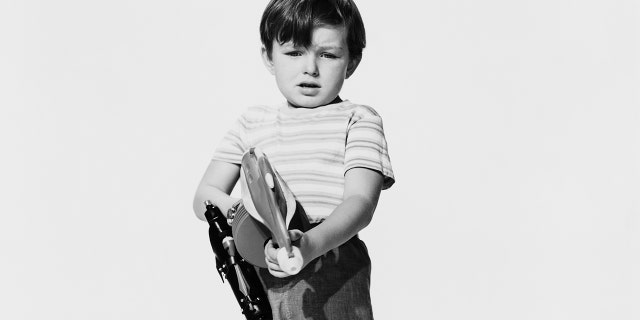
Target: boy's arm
(216, 185)
(361, 193)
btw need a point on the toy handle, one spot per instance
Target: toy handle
(290, 263)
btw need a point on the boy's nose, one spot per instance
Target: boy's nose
(311, 67)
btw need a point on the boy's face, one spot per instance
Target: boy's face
(313, 76)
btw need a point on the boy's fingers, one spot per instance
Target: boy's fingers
(270, 252)
(273, 266)
(269, 242)
(278, 274)
(274, 269)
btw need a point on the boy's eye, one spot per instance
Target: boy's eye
(293, 53)
(328, 55)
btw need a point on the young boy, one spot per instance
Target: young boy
(331, 153)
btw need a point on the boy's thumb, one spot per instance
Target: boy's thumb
(295, 234)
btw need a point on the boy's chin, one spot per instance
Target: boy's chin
(310, 103)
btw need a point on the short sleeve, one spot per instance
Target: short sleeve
(366, 146)
(232, 147)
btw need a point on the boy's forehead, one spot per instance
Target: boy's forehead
(325, 36)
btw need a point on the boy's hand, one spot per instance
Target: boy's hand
(271, 254)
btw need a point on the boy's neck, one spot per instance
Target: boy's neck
(336, 100)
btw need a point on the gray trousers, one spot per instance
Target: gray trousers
(334, 286)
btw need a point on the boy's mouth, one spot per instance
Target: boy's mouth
(308, 85)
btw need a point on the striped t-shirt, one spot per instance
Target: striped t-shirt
(312, 148)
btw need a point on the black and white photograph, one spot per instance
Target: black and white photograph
(320, 159)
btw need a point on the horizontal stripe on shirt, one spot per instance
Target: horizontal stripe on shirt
(312, 148)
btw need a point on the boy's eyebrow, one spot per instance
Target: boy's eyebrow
(290, 44)
(329, 47)
(318, 48)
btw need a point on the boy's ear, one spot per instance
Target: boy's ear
(353, 64)
(266, 60)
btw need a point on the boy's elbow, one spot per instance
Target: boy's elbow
(198, 211)
(368, 217)
(199, 207)
(368, 205)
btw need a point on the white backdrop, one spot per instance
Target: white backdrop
(514, 132)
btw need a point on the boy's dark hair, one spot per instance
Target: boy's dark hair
(285, 20)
